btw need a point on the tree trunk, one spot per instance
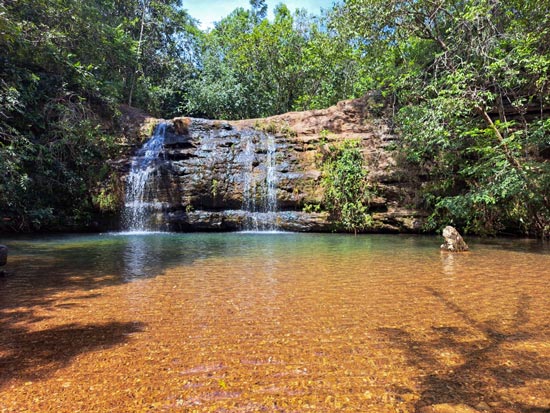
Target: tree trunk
(138, 55)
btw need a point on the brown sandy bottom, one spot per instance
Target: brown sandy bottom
(446, 333)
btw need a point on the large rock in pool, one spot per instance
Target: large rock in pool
(453, 240)
(3, 255)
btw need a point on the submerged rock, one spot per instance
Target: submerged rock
(453, 240)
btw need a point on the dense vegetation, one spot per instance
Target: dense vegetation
(65, 67)
(252, 67)
(471, 84)
(347, 190)
(468, 82)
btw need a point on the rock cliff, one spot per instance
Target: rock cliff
(262, 173)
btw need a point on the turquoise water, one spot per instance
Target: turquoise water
(130, 256)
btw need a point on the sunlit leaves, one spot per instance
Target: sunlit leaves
(67, 65)
(470, 80)
(255, 67)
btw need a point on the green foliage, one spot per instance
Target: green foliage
(65, 66)
(470, 80)
(347, 191)
(108, 197)
(310, 208)
(164, 57)
(105, 201)
(68, 64)
(252, 67)
(214, 188)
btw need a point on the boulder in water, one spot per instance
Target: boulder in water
(453, 240)
(3, 255)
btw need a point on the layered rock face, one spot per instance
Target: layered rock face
(260, 174)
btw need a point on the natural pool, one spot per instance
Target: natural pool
(273, 322)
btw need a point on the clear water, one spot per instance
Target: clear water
(247, 322)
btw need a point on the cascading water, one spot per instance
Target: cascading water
(270, 206)
(260, 183)
(141, 185)
(249, 185)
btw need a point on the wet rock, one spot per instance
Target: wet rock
(236, 220)
(206, 220)
(453, 240)
(216, 167)
(297, 221)
(3, 255)
(397, 219)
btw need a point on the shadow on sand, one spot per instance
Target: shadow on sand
(488, 361)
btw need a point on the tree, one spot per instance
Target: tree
(471, 84)
(164, 56)
(258, 9)
(253, 67)
(65, 67)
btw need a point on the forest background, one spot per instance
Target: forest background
(467, 83)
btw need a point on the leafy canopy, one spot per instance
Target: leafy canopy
(470, 83)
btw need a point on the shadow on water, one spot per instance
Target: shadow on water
(82, 265)
(523, 245)
(33, 355)
(40, 269)
(44, 270)
(96, 260)
(489, 363)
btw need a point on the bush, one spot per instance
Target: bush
(347, 191)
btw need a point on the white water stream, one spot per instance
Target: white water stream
(260, 183)
(141, 185)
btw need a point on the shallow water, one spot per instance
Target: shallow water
(246, 322)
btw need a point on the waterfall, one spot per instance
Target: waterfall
(259, 182)
(249, 186)
(141, 185)
(270, 205)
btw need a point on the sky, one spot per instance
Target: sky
(210, 11)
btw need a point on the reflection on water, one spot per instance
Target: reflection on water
(248, 322)
(136, 256)
(448, 262)
(140, 256)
